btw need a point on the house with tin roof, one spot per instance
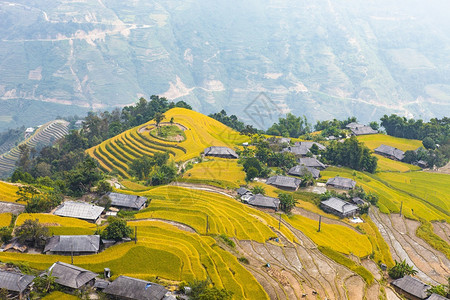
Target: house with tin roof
(80, 210)
(17, 284)
(411, 288)
(72, 244)
(262, 201)
(311, 162)
(341, 183)
(390, 152)
(223, 152)
(363, 130)
(284, 182)
(72, 276)
(310, 144)
(339, 207)
(302, 170)
(125, 201)
(125, 287)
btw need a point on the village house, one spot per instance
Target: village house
(279, 140)
(390, 152)
(437, 297)
(311, 162)
(339, 207)
(302, 170)
(17, 284)
(360, 129)
(125, 287)
(73, 245)
(124, 201)
(341, 183)
(358, 201)
(72, 276)
(284, 182)
(297, 150)
(244, 193)
(223, 152)
(411, 288)
(80, 210)
(310, 144)
(264, 201)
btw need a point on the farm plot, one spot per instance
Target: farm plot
(5, 219)
(375, 140)
(201, 132)
(8, 192)
(197, 208)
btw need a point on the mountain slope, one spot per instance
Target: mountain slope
(322, 59)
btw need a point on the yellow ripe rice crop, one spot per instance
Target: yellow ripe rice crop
(134, 186)
(5, 219)
(52, 220)
(386, 164)
(338, 237)
(8, 192)
(57, 295)
(374, 140)
(227, 171)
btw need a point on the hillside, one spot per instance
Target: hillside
(200, 131)
(322, 59)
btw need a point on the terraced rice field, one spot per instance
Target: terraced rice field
(5, 219)
(227, 172)
(165, 251)
(59, 225)
(44, 135)
(386, 165)
(201, 132)
(374, 140)
(337, 237)
(391, 195)
(225, 215)
(8, 192)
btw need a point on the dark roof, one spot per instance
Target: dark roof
(362, 130)
(264, 201)
(75, 243)
(282, 140)
(284, 181)
(80, 210)
(101, 283)
(242, 191)
(15, 282)
(437, 297)
(358, 201)
(310, 144)
(70, 275)
(340, 205)
(412, 286)
(311, 162)
(128, 201)
(297, 150)
(220, 151)
(132, 288)
(390, 151)
(301, 170)
(341, 182)
(354, 125)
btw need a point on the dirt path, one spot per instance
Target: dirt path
(433, 266)
(444, 170)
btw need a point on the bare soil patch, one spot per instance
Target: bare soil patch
(9, 207)
(442, 229)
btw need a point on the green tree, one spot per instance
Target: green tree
(251, 173)
(374, 125)
(45, 283)
(441, 289)
(103, 187)
(116, 229)
(32, 232)
(401, 269)
(428, 143)
(201, 290)
(258, 189)
(287, 202)
(158, 118)
(5, 234)
(141, 167)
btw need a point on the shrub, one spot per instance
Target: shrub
(116, 230)
(401, 269)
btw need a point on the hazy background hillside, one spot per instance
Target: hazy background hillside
(319, 58)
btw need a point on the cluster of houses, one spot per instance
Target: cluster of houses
(414, 289)
(73, 278)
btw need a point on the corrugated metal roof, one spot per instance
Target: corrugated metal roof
(297, 150)
(362, 130)
(390, 151)
(128, 201)
(437, 297)
(301, 170)
(341, 182)
(242, 191)
(15, 282)
(70, 275)
(340, 205)
(80, 210)
(73, 243)
(284, 181)
(310, 144)
(264, 201)
(133, 288)
(354, 125)
(412, 286)
(311, 162)
(220, 151)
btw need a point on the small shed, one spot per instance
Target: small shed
(125, 287)
(244, 194)
(363, 130)
(390, 152)
(16, 284)
(302, 170)
(264, 201)
(79, 210)
(411, 287)
(284, 182)
(311, 162)
(358, 201)
(339, 207)
(223, 152)
(124, 201)
(341, 183)
(71, 276)
(72, 244)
